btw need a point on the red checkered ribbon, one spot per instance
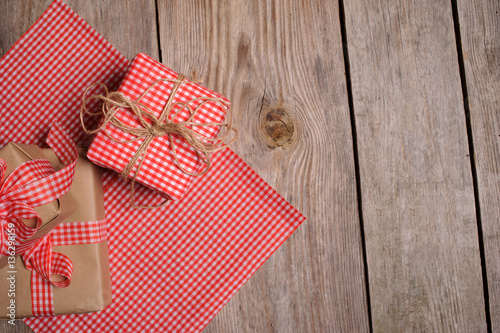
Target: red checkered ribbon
(65, 234)
(34, 184)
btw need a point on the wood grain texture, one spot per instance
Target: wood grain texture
(281, 65)
(480, 36)
(110, 18)
(129, 25)
(416, 181)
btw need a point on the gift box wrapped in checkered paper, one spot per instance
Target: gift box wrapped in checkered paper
(159, 128)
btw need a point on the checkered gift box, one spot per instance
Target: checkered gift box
(169, 163)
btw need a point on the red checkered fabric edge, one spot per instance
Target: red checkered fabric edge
(48, 87)
(182, 262)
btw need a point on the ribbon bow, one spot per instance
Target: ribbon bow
(152, 126)
(32, 184)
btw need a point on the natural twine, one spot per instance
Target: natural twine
(163, 125)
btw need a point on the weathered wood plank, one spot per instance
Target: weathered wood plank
(110, 18)
(283, 60)
(129, 25)
(480, 32)
(416, 182)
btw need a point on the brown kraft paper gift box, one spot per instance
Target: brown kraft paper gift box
(90, 288)
(52, 213)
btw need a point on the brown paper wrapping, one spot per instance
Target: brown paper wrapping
(52, 213)
(90, 288)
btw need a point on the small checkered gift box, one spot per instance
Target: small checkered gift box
(159, 128)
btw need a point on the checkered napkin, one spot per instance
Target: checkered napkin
(113, 148)
(172, 268)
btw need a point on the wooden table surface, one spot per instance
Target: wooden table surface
(379, 120)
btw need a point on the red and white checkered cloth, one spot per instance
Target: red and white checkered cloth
(159, 170)
(45, 73)
(173, 268)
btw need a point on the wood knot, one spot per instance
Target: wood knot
(279, 126)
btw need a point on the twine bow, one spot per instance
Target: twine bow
(152, 126)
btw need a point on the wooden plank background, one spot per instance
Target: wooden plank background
(416, 181)
(395, 103)
(480, 40)
(284, 58)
